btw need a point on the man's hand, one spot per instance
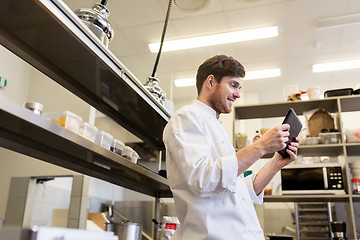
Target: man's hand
(274, 139)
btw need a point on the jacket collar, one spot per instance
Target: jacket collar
(205, 108)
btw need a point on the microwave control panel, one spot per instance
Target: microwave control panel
(335, 178)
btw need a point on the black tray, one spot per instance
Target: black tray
(338, 92)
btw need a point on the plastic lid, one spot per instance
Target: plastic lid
(117, 142)
(105, 134)
(62, 114)
(355, 180)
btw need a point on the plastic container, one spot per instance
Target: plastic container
(34, 107)
(117, 146)
(355, 185)
(66, 119)
(127, 152)
(311, 140)
(352, 135)
(134, 157)
(88, 131)
(329, 138)
(104, 139)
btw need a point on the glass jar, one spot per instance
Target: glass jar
(355, 185)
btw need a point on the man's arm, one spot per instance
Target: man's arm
(266, 173)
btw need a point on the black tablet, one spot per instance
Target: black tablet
(295, 127)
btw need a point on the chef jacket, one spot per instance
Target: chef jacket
(211, 202)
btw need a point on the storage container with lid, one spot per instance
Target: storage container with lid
(34, 106)
(329, 137)
(104, 139)
(355, 185)
(134, 157)
(127, 152)
(66, 119)
(117, 146)
(88, 131)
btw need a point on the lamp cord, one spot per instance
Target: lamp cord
(162, 39)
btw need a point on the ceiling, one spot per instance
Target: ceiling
(299, 44)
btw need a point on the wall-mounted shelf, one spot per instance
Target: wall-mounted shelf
(306, 198)
(25, 132)
(50, 37)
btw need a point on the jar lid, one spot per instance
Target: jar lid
(33, 105)
(355, 180)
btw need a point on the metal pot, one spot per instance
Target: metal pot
(125, 230)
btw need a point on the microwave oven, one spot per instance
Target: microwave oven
(312, 179)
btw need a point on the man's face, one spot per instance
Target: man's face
(225, 94)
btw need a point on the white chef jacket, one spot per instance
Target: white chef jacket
(211, 202)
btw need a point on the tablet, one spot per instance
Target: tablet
(295, 127)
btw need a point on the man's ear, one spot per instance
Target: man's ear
(210, 82)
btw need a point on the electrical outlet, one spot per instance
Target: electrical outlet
(3, 82)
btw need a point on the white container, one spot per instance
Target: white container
(104, 139)
(314, 93)
(134, 157)
(117, 146)
(127, 152)
(88, 131)
(66, 119)
(352, 135)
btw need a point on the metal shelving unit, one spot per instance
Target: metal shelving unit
(335, 105)
(50, 37)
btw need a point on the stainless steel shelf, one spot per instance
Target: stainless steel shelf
(25, 132)
(280, 109)
(307, 198)
(50, 37)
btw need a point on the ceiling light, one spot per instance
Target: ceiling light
(185, 82)
(336, 66)
(216, 39)
(266, 73)
(339, 21)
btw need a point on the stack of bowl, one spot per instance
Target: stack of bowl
(355, 168)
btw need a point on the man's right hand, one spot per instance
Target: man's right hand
(274, 139)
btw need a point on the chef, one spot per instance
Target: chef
(213, 199)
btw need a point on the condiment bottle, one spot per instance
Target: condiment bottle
(355, 183)
(257, 136)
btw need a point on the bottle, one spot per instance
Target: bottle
(257, 136)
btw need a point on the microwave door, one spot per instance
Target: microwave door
(326, 185)
(302, 179)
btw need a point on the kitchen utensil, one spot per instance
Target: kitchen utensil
(338, 230)
(105, 218)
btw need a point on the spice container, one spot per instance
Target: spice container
(127, 152)
(117, 146)
(66, 119)
(104, 139)
(355, 184)
(134, 157)
(88, 131)
(34, 106)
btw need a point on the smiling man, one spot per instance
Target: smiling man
(212, 198)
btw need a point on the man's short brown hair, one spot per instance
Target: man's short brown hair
(219, 66)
